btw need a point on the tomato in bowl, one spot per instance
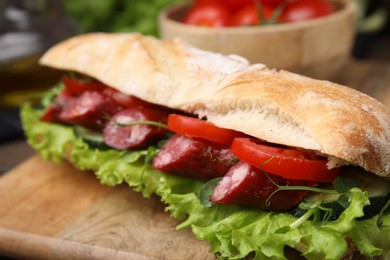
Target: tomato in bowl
(220, 13)
(317, 48)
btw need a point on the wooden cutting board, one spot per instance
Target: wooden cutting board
(52, 211)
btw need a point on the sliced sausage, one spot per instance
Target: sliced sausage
(91, 110)
(124, 100)
(249, 186)
(119, 136)
(53, 111)
(193, 158)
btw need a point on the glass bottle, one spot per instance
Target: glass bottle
(27, 29)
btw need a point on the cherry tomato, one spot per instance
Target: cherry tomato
(249, 15)
(77, 87)
(201, 2)
(300, 10)
(195, 127)
(273, 3)
(288, 163)
(212, 14)
(234, 5)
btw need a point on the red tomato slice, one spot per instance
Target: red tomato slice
(288, 163)
(211, 14)
(195, 127)
(77, 87)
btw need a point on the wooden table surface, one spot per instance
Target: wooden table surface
(370, 77)
(81, 229)
(52, 211)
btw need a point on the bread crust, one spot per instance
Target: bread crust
(345, 125)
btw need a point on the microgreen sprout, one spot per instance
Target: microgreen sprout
(307, 188)
(144, 122)
(215, 158)
(297, 222)
(280, 187)
(312, 209)
(315, 210)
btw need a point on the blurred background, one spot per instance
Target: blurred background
(30, 27)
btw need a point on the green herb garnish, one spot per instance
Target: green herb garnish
(144, 122)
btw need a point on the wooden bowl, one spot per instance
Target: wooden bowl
(318, 48)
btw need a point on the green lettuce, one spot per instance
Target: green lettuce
(117, 15)
(233, 232)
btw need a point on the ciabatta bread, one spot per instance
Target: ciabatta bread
(341, 123)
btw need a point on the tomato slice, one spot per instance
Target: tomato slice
(288, 163)
(194, 127)
(77, 87)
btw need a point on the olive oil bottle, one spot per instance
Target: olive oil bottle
(27, 29)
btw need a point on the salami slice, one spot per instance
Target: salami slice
(119, 134)
(193, 158)
(249, 186)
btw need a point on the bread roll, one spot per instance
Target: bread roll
(280, 107)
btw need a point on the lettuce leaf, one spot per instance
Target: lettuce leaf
(233, 232)
(117, 15)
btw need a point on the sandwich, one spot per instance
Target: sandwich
(254, 160)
